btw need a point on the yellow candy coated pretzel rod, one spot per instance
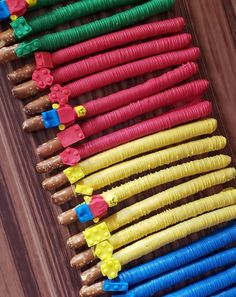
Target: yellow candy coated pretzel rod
(159, 222)
(162, 238)
(126, 169)
(132, 188)
(131, 149)
(136, 211)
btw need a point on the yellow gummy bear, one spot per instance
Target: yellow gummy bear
(96, 234)
(31, 2)
(80, 111)
(74, 173)
(104, 250)
(110, 268)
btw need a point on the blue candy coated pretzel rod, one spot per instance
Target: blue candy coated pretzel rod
(188, 272)
(209, 286)
(180, 257)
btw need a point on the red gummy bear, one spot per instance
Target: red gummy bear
(17, 7)
(98, 206)
(67, 114)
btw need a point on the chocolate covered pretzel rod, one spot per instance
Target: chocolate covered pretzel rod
(136, 211)
(98, 206)
(185, 93)
(22, 28)
(44, 78)
(61, 95)
(147, 127)
(151, 225)
(157, 240)
(118, 99)
(96, 45)
(110, 175)
(62, 39)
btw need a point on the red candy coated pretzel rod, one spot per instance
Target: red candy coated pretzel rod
(96, 45)
(61, 95)
(44, 78)
(121, 98)
(166, 121)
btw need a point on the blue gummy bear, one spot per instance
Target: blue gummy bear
(4, 10)
(115, 286)
(84, 213)
(50, 118)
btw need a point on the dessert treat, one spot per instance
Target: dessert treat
(111, 198)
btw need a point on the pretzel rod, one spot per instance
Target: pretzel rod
(157, 223)
(167, 263)
(227, 293)
(96, 45)
(208, 286)
(217, 261)
(110, 76)
(130, 149)
(110, 175)
(51, 42)
(125, 191)
(16, 8)
(119, 99)
(136, 211)
(165, 121)
(56, 17)
(44, 78)
(162, 238)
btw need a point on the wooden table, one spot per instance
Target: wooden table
(34, 260)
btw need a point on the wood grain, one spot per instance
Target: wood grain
(33, 256)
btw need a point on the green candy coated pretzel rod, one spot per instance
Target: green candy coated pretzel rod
(62, 15)
(51, 42)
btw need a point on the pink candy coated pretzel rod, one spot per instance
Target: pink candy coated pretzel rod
(44, 78)
(121, 98)
(61, 95)
(186, 92)
(96, 45)
(165, 121)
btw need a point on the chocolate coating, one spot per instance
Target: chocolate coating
(81, 259)
(7, 38)
(91, 291)
(33, 124)
(21, 74)
(49, 165)
(8, 54)
(25, 90)
(91, 275)
(49, 148)
(38, 105)
(53, 182)
(67, 217)
(76, 241)
(63, 196)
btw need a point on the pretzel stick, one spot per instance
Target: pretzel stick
(134, 187)
(62, 39)
(134, 212)
(59, 16)
(172, 261)
(210, 285)
(114, 75)
(183, 93)
(99, 180)
(99, 63)
(99, 44)
(156, 223)
(124, 97)
(162, 238)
